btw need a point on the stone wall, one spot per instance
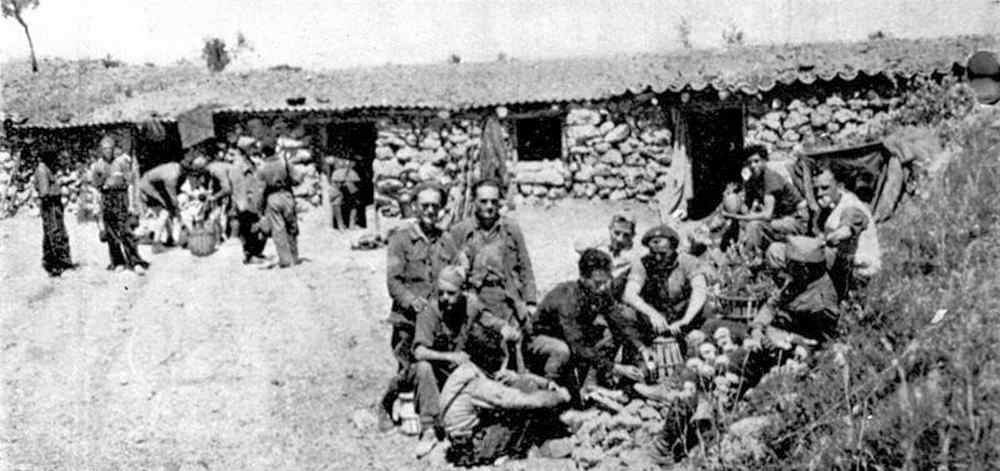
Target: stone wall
(792, 125)
(411, 150)
(616, 155)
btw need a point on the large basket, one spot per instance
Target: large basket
(201, 241)
(743, 308)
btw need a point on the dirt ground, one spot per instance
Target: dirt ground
(205, 363)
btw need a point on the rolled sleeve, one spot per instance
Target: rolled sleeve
(427, 326)
(529, 292)
(489, 394)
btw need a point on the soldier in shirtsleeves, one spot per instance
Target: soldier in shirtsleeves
(278, 178)
(215, 176)
(500, 270)
(109, 178)
(773, 207)
(415, 256)
(55, 240)
(666, 290)
(158, 189)
(439, 339)
(248, 196)
(620, 245)
(489, 412)
(853, 251)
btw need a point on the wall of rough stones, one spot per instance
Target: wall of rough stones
(411, 150)
(609, 153)
(792, 125)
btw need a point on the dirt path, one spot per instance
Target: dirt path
(205, 363)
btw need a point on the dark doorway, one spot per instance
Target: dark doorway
(356, 142)
(539, 139)
(715, 139)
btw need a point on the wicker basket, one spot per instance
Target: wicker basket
(739, 307)
(201, 241)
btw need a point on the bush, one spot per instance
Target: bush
(902, 392)
(215, 54)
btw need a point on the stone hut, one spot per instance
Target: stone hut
(599, 128)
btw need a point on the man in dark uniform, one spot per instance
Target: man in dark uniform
(415, 256)
(55, 240)
(278, 178)
(500, 270)
(109, 177)
(576, 326)
(807, 304)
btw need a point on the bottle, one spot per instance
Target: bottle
(408, 418)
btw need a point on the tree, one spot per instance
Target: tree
(15, 9)
(733, 36)
(215, 54)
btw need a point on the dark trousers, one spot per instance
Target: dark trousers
(252, 237)
(122, 247)
(55, 239)
(283, 222)
(427, 379)
(401, 343)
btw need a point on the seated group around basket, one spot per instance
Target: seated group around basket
(491, 373)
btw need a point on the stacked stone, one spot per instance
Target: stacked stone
(833, 122)
(617, 158)
(407, 155)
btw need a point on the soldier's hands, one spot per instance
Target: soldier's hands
(459, 358)
(630, 372)
(510, 333)
(419, 304)
(659, 323)
(563, 394)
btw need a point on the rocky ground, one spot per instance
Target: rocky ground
(204, 363)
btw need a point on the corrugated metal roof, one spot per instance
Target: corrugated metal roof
(748, 70)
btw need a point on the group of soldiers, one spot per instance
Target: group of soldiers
(248, 193)
(491, 363)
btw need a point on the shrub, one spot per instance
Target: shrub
(215, 54)
(902, 392)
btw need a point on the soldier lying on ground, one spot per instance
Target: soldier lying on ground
(489, 413)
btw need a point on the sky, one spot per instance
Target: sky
(345, 33)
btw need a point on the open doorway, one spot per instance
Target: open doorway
(715, 140)
(355, 142)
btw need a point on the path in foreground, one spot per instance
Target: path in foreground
(208, 364)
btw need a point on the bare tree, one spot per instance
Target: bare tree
(15, 9)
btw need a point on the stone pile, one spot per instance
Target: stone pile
(813, 123)
(609, 157)
(623, 433)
